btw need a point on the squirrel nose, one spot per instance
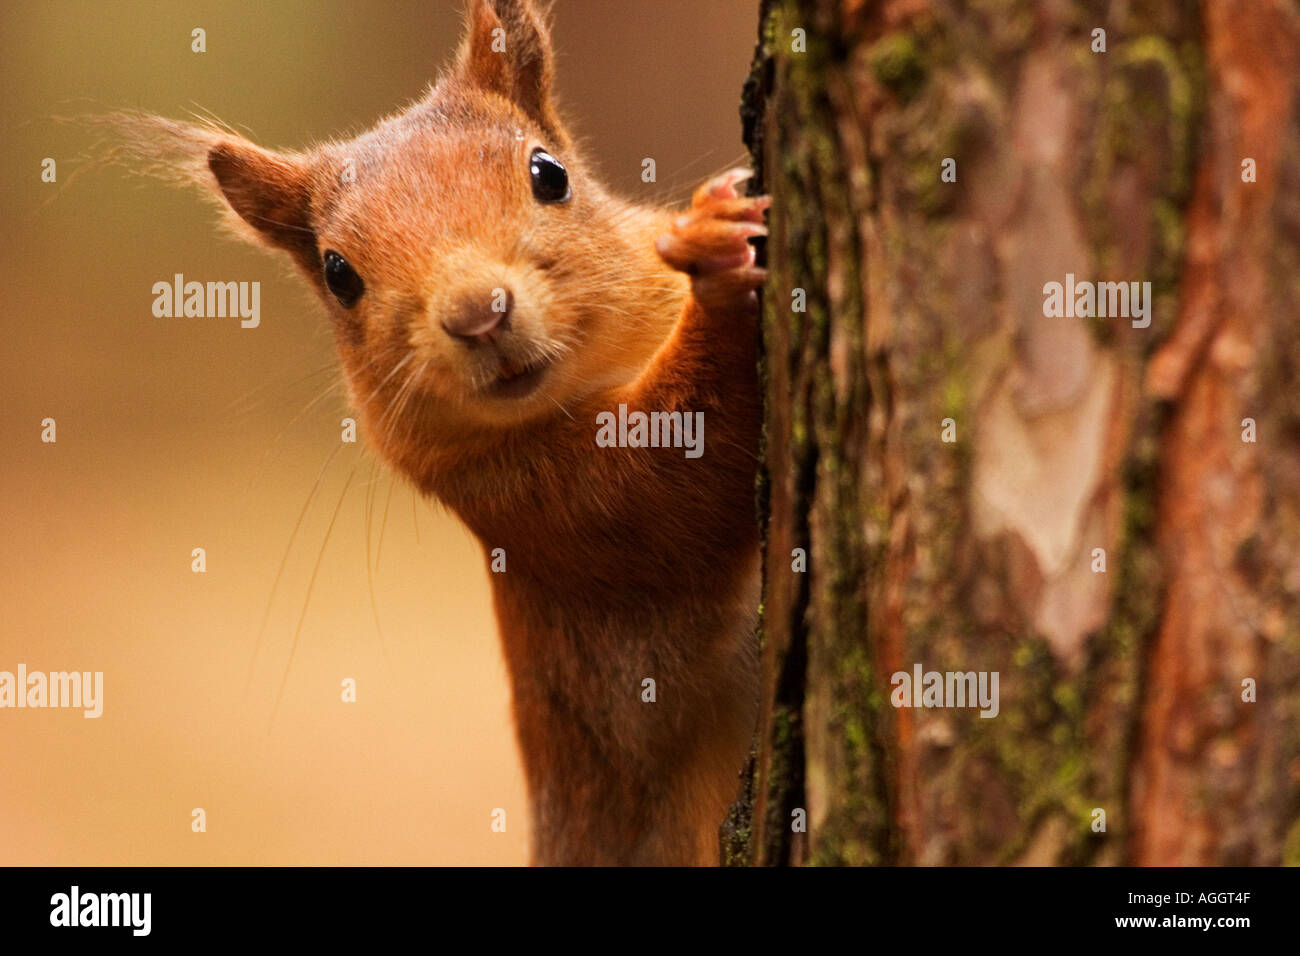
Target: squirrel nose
(475, 319)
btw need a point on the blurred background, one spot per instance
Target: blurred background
(180, 434)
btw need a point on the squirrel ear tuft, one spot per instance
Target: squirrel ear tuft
(508, 51)
(271, 192)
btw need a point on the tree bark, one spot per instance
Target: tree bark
(1123, 690)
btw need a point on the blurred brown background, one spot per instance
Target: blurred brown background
(182, 433)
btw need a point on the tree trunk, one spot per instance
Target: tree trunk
(1072, 502)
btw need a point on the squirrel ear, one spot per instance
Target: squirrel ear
(508, 51)
(271, 192)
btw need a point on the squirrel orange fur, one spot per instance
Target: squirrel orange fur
(484, 320)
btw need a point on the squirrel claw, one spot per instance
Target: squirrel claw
(722, 186)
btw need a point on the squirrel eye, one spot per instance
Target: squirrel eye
(550, 181)
(342, 279)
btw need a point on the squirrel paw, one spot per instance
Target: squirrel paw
(710, 241)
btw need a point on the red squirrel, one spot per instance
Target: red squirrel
(490, 301)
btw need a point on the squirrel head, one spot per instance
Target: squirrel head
(476, 274)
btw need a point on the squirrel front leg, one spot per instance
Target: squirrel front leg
(712, 351)
(676, 538)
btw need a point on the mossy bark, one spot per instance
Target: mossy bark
(904, 309)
